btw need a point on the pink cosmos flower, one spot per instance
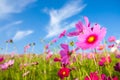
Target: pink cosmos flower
(86, 21)
(64, 72)
(100, 47)
(47, 46)
(91, 38)
(90, 56)
(79, 27)
(93, 76)
(104, 60)
(111, 39)
(54, 40)
(1, 59)
(62, 34)
(49, 55)
(10, 62)
(111, 46)
(4, 66)
(65, 56)
(26, 47)
(7, 64)
(57, 59)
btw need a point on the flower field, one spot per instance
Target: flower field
(91, 57)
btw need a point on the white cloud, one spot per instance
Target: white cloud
(10, 25)
(8, 7)
(21, 34)
(58, 17)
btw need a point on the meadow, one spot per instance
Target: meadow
(101, 62)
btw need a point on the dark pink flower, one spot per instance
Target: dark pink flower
(104, 60)
(57, 59)
(93, 76)
(117, 67)
(62, 34)
(1, 59)
(63, 72)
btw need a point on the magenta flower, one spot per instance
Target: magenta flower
(62, 34)
(1, 59)
(111, 39)
(93, 76)
(64, 72)
(65, 54)
(91, 38)
(117, 67)
(79, 27)
(57, 59)
(104, 60)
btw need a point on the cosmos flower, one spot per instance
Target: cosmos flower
(91, 38)
(54, 40)
(104, 77)
(10, 62)
(64, 53)
(57, 59)
(87, 21)
(62, 34)
(49, 55)
(100, 47)
(93, 76)
(117, 67)
(63, 72)
(111, 39)
(26, 47)
(4, 66)
(1, 59)
(104, 60)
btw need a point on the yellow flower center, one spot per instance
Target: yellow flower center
(91, 39)
(64, 73)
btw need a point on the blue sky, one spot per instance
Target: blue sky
(27, 21)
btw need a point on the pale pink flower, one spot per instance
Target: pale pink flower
(86, 21)
(10, 62)
(26, 73)
(49, 55)
(54, 40)
(4, 66)
(26, 47)
(91, 38)
(111, 39)
(100, 47)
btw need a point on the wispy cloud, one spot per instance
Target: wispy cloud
(10, 25)
(58, 18)
(21, 34)
(8, 7)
